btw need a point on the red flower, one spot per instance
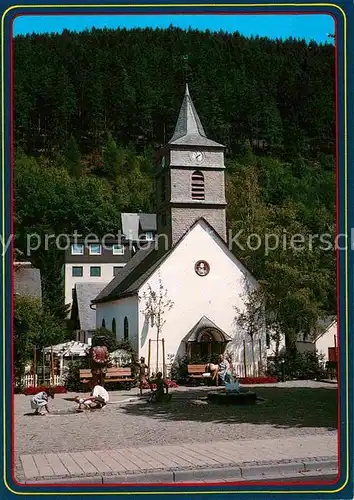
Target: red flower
(32, 391)
(258, 380)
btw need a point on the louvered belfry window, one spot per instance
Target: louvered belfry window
(198, 191)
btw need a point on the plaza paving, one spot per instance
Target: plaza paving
(297, 420)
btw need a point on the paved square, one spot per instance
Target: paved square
(132, 435)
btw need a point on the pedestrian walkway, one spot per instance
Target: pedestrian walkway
(186, 456)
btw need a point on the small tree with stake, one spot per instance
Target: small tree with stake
(252, 319)
(156, 304)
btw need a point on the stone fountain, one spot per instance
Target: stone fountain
(232, 394)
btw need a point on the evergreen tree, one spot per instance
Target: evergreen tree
(73, 158)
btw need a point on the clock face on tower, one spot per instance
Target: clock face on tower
(197, 156)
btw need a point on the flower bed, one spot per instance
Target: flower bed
(170, 383)
(31, 391)
(258, 380)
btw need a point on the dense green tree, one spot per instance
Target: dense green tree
(50, 207)
(131, 82)
(73, 158)
(34, 327)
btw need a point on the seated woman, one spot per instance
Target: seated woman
(222, 370)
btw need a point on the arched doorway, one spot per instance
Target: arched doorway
(205, 341)
(207, 346)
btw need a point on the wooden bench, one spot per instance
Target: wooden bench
(197, 372)
(111, 375)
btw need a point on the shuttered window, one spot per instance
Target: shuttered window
(198, 191)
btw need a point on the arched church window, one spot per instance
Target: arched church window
(114, 328)
(103, 323)
(198, 190)
(126, 329)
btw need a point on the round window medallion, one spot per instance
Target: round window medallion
(202, 268)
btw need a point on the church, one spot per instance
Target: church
(189, 268)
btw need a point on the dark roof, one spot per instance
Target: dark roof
(85, 293)
(148, 222)
(27, 281)
(129, 279)
(206, 324)
(189, 129)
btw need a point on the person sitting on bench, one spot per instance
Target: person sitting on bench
(222, 370)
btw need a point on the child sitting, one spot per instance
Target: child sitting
(98, 399)
(159, 394)
(39, 402)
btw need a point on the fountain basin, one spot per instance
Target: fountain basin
(233, 398)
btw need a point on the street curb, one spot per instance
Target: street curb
(243, 472)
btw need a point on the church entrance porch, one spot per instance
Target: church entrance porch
(205, 342)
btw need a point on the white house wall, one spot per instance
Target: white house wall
(215, 296)
(127, 307)
(327, 340)
(70, 281)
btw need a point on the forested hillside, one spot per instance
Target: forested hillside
(91, 108)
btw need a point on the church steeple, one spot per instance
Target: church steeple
(191, 179)
(189, 129)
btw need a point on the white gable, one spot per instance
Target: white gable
(215, 295)
(327, 339)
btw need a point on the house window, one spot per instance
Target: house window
(118, 249)
(116, 270)
(103, 323)
(77, 271)
(77, 249)
(126, 329)
(95, 271)
(95, 249)
(149, 236)
(114, 328)
(198, 192)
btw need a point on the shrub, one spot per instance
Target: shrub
(302, 366)
(72, 382)
(179, 369)
(32, 391)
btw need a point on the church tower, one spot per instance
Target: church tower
(191, 178)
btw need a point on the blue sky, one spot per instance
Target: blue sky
(310, 27)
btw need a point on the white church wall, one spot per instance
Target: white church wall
(215, 296)
(127, 307)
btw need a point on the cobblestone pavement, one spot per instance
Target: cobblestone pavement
(290, 410)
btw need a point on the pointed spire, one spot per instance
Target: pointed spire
(189, 128)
